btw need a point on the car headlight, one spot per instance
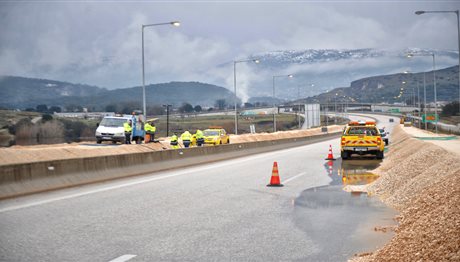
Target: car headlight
(119, 134)
(98, 133)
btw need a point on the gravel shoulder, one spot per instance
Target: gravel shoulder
(421, 179)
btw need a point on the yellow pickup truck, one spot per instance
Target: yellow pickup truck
(216, 135)
(361, 138)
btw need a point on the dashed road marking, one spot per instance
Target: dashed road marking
(123, 258)
(294, 177)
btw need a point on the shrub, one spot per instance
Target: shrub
(46, 117)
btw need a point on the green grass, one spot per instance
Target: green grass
(262, 123)
(451, 120)
(9, 117)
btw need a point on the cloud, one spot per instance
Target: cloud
(100, 42)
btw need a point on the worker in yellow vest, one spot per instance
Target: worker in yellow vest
(150, 129)
(199, 137)
(193, 141)
(174, 141)
(186, 138)
(128, 127)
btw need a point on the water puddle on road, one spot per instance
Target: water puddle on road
(341, 218)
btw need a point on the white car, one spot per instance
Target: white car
(111, 129)
(384, 134)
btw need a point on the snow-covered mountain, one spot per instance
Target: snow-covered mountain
(316, 71)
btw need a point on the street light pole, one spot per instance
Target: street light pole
(335, 108)
(234, 87)
(424, 98)
(167, 118)
(458, 35)
(298, 106)
(274, 109)
(434, 84)
(418, 105)
(144, 107)
(435, 96)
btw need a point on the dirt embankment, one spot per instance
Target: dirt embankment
(28, 154)
(422, 181)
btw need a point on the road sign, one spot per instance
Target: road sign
(394, 110)
(429, 118)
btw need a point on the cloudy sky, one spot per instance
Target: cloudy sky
(99, 42)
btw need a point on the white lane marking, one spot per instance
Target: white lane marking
(155, 178)
(123, 258)
(294, 177)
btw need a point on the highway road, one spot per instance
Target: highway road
(219, 211)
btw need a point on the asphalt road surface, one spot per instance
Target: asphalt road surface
(220, 211)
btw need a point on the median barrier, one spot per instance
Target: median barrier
(22, 179)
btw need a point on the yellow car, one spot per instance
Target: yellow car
(216, 136)
(361, 138)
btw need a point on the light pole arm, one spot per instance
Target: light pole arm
(169, 23)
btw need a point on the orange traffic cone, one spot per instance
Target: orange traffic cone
(275, 180)
(330, 156)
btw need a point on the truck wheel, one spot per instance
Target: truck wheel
(228, 141)
(344, 155)
(386, 142)
(380, 155)
(98, 141)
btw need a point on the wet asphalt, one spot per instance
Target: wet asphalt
(216, 212)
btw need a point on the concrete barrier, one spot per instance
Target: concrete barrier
(22, 179)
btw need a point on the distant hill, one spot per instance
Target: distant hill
(20, 92)
(331, 68)
(174, 93)
(387, 88)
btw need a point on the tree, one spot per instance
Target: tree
(74, 108)
(42, 108)
(155, 110)
(197, 108)
(111, 108)
(450, 109)
(46, 117)
(186, 108)
(56, 109)
(221, 104)
(129, 107)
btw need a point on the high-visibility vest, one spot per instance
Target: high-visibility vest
(173, 140)
(149, 128)
(153, 129)
(127, 127)
(186, 136)
(199, 134)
